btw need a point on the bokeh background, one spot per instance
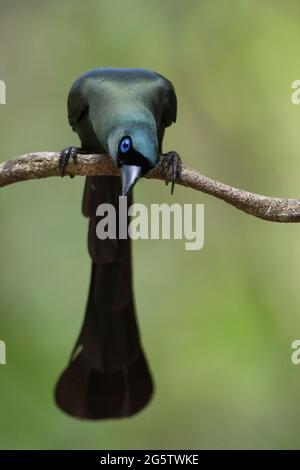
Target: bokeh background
(217, 324)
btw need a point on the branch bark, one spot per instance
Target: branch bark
(45, 164)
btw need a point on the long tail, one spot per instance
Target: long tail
(108, 376)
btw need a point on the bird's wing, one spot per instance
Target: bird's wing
(77, 105)
(169, 101)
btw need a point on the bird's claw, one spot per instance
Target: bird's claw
(64, 158)
(171, 166)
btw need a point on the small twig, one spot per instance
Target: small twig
(44, 164)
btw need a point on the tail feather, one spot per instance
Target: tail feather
(108, 376)
(86, 393)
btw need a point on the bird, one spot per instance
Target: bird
(123, 113)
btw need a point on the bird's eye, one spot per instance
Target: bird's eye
(125, 145)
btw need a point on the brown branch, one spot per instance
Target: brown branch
(44, 164)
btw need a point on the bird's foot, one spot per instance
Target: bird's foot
(171, 165)
(64, 158)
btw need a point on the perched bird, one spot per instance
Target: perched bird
(123, 113)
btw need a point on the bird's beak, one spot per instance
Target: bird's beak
(129, 176)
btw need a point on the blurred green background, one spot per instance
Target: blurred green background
(217, 324)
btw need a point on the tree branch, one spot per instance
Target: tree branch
(44, 164)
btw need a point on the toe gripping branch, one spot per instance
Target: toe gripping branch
(64, 158)
(171, 166)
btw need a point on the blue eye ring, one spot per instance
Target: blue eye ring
(125, 145)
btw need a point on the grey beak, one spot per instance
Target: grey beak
(129, 176)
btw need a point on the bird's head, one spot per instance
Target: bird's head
(134, 147)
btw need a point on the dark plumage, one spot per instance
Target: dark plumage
(122, 112)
